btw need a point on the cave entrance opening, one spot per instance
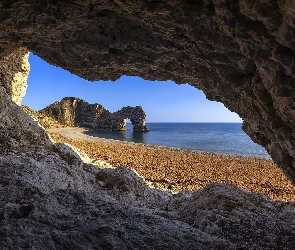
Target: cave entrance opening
(196, 121)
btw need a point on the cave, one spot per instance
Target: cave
(240, 53)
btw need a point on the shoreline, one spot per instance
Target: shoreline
(178, 169)
(74, 130)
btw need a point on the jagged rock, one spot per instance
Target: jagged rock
(51, 197)
(70, 219)
(130, 189)
(72, 111)
(117, 120)
(226, 211)
(17, 129)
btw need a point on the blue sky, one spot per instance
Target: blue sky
(162, 101)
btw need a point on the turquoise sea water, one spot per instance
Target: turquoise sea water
(227, 138)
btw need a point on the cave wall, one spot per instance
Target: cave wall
(14, 72)
(17, 129)
(53, 196)
(240, 53)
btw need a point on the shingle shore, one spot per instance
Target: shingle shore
(180, 169)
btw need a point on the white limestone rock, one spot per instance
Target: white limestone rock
(14, 71)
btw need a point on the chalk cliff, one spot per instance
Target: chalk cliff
(71, 111)
(240, 53)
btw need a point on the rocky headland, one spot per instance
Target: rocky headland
(71, 111)
(53, 196)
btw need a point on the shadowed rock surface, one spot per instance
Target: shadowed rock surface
(71, 111)
(238, 52)
(50, 198)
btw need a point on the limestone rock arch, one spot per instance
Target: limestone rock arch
(240, 53)
(136, 115)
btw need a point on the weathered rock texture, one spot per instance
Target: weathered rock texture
(17, 129)
(117, 120)
(51, 199)
(14, 71)
(71, 111)
(240, 53)
(54, 196)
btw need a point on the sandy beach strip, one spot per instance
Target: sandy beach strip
(180, 169)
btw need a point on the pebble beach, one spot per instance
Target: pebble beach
(177, 169)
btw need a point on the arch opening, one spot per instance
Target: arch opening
(170, 103)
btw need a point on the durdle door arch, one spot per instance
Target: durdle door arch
(136, 115)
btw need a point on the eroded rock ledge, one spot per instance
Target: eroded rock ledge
(71, 111)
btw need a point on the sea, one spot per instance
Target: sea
(225, 138)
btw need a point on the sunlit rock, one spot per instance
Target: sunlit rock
(14, 71)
